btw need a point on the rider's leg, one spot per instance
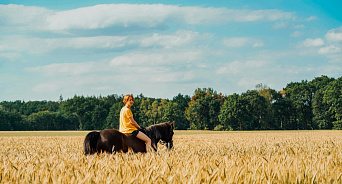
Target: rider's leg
(146, 139)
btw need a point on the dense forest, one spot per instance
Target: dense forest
(304, 105)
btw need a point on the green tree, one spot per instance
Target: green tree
(256, 105)
(203, 113)
(172, 112)
(271, 98)
(42, 120)
(12, 106)
(182, 102)
(87, 123)
(136, 108)
(194, 117)
(234, 114)
(99, 117)
(321, 115)
(5, 123)
(300, 95)
(145, 113)
(161, 108)
(109, 100)
(82, 107)
(30, 107)
(155, 113)
(333, 97)
(281, 111)
(113, 118)
(72, 122)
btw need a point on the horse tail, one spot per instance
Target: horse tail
(90, 142)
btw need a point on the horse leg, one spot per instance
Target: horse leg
(154, 144)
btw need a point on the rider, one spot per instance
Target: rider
(129, 125)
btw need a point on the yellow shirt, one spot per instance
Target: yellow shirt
(125, 124)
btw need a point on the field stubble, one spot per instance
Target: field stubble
(234, 157)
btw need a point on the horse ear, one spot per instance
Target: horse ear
(172, 124)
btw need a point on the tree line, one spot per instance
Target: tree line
(304, 105)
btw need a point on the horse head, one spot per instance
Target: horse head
(163, 132)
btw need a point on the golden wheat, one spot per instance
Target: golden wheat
(233, 157)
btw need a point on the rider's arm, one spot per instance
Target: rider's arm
(134, 123)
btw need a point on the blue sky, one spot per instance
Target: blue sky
(162, 48)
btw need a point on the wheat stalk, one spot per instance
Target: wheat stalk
(234, 157)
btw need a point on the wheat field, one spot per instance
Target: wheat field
(225, 157)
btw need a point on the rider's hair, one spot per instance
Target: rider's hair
(126, 98)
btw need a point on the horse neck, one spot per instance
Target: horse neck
(153, 132)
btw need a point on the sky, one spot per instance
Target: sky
(162, 48)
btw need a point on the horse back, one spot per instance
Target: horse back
(112, 140)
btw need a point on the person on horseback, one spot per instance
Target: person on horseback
(129, 125)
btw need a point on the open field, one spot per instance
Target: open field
(198, 157)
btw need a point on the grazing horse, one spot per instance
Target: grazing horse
(111, 140)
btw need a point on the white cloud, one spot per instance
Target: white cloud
(180, 38)
(331, 44)
(138, 68)
(331, 49)
(246, 74)
(280, 25)
(239, 67)
(173, 76)
(10, 55)
(36, 45)
(49, 86)
(105, 15)
(248, 82)
(299, 26)
(126, 15)
(81, 84)
(242, 41)
(198, 15)
(334, 35)
(40, 45)
(20, 15)
(336, 58)
(235, 42)
(296, 34)
(19, 44)
(156, 59)
(64, 68)
(153, 54)
(311, 18)
(158, 66)
(287, 25)
(104, 42)
(258, 44)
(72, 78)
(313, 42)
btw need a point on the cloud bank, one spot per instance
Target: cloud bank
(126, 15)
(159, 50)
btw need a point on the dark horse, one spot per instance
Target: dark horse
(111, 140)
